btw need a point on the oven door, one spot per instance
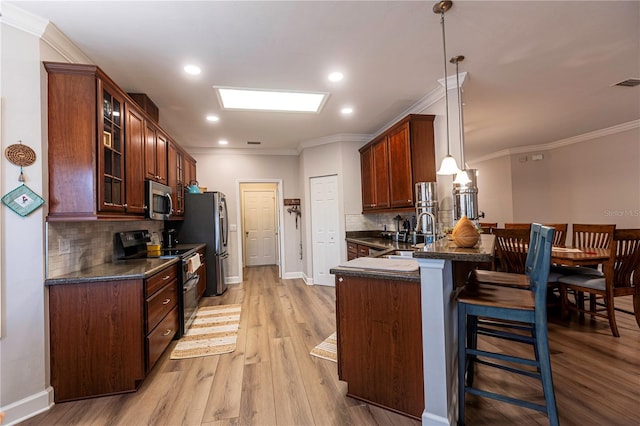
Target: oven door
(189, 302)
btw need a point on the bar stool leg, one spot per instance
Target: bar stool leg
(542, 347)
(462, 359)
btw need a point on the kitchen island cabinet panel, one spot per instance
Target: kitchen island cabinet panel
(380, 341)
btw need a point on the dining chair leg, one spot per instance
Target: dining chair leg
(611, 312)
(564, 302)
(472, 343)
(592, 306)
(542, 347)
(636, 305)
(580, 303)
(463, 339)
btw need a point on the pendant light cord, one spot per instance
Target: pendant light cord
(446, 91)
(463, 163)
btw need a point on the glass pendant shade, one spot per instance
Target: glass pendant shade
(462, 178)
(448, 166)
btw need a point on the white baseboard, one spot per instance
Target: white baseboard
(292, 275)
(233, 280)
(28, 407)
(307, 280)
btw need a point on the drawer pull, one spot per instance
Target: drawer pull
(166, 333)
(166, 301)
(166, 277)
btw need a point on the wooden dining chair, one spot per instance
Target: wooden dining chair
(504, 313)
(487, 227)
(505, 240)
(526, 226)
(560, 234)
(621, 277)
(512, 246)
(587, 236)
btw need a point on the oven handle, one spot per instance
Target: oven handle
(189, 285)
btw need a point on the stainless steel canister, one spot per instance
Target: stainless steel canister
(426, 201)
(465, 197)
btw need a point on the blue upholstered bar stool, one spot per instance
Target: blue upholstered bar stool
(514, 315)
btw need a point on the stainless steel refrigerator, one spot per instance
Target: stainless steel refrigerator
(205, 221)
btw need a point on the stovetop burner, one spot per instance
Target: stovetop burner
(133, 245)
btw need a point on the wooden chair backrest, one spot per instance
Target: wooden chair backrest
(560, 234)
(487, 227)
(595, 236)
(526, 226)
(512, 246)
(622, 271)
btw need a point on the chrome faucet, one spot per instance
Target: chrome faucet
(433, 223)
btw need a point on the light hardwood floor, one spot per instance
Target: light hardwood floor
(272, 380)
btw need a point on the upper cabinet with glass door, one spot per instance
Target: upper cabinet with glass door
(112, 162)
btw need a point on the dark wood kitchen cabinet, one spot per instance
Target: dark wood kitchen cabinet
(134, 146)
(97, 143)
(378, 323)
(155, 154)
(105, 336)
(375, 175)
(410, 159)
(175, 178)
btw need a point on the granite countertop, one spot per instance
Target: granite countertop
(377, 268)
(381, 243)
(120, 269)
(446, 249)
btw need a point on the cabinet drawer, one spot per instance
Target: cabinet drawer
(160, 279)
(160, 337)
(352, 248)
(363, 251)
(160, 303)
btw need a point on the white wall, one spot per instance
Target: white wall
(23, 367)
(595, 180)
(495, 197)
(221, 171)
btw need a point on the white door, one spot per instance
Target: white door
(324, 228)
(260, 227)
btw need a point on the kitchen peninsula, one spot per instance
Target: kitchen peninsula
(436, 318)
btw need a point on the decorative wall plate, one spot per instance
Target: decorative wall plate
(22, 200)
(20, 155)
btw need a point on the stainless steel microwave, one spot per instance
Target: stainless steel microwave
(158, 200)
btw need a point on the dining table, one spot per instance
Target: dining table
(584, 256)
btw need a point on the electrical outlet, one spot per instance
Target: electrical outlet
(64, 246)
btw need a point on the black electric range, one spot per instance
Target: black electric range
(133, 245)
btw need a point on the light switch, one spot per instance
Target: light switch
(233, 227)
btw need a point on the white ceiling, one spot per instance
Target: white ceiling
(538, 72)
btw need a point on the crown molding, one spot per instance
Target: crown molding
(62, 44)
(44, 30)
(635, 124)
(22, 20)
(340, 137)
(240, 151)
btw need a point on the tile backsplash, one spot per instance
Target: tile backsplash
(377, 221)
(91, 243)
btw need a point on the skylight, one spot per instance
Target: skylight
(270, 100)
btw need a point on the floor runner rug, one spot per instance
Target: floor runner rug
(327, 349)
(214, 331)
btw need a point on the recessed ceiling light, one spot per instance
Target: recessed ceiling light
(346, 110)
(213, 118)
(270, 100)
(223, 142)
(192, 69)
(336, 76)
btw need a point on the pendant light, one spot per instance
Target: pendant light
(462, 177)
(448, 165)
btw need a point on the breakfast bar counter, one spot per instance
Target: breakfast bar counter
(439, 323)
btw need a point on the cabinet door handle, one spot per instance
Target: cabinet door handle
(166, 333)
(166, 301)
(166, 277)
(340, 279)
(408, 201)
